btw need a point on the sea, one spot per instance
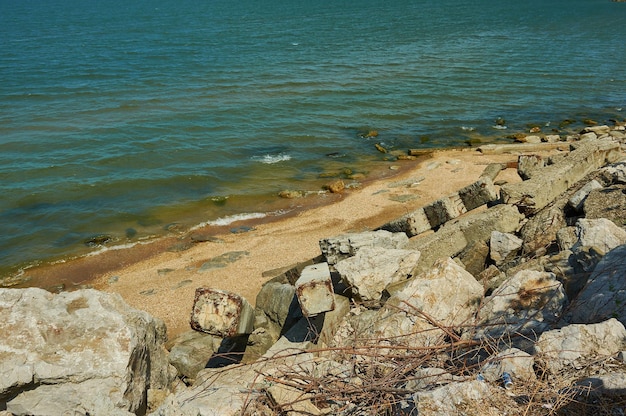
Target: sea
(121, 121)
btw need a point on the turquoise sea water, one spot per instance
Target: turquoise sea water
(120, 118)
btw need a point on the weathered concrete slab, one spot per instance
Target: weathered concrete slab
(497, 149)
(411, 224)
(338, 248)
(492, 170)
(221, 313)
(528, 164)
(314, 290)
(452, 238)
(479, 193)
(577, 200)
(532, 195)
(444, 209)
(374, 268)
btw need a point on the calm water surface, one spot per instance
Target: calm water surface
(121, 118)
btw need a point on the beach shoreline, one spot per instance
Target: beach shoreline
(161, 276)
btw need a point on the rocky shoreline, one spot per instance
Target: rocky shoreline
(498, 298)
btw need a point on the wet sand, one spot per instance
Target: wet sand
(161, 277)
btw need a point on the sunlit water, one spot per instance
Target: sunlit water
(120, 118)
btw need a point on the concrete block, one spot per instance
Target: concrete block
(444, 209)
(492, 170)
(314, 290)
(452, 238)
(539, 191)
(411, 224)
(497, 149)
(577, 200)
(478, 193)
(527, 165)
(221, 313)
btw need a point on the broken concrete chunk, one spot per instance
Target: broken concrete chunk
(478, 193)
(504, 246)
(374, 268)
(527, 164)
(221, 313)
(577, 200)
(532, 195)
(410, 224)
(314, 290)
(444, 209)
(347, 245)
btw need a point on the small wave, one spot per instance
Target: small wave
(465, 128)
(231, 219)
(271, 159)
(499, 127)
(103, 249)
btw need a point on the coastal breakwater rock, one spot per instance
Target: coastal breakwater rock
(387, 328)
(431, 337)
(82, 352)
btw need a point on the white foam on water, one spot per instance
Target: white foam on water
(271, 159)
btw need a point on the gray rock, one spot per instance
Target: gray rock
(478, 193)
(577, 200)
(527, 164)
(566, 238)
(598, 130)
(527, 302)
(532, 195)
(569, 346)
(589, 136)
(83, 350)
(600, 233)
(372, 269)
(468, 398)
(447, 293)
(493, 170)
(614, 173)
(564, 266)
(344, 246)
(444, 209)
(333, 320)
(504, 246)
(423, 378)
(474, 257)
(611, 384)
(497, 149)
(604, 296)
(519, 365)
(276, 301)
(455, 235)
(541, 229)
(609, 203)
(411, 224)
(191, 351)
(491, 278)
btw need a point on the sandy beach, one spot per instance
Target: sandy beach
(161, 277)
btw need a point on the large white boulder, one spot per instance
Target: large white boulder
(84, 350)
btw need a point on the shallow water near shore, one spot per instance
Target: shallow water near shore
(137, 120)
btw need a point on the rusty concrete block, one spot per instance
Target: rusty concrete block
(444, 209)
(314, 290)
(479, 193)
(221, 313)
